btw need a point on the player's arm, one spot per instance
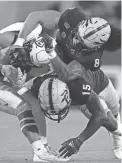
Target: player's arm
(47, 18)
(7, 34)
(6, 39)
(97, 119)
(67, 72)
(15, 76)
(73, 145)
(7, 109)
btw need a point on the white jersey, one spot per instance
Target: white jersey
(19, 26)
(13, 27)
(45, 69)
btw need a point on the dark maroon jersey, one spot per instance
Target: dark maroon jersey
(79, 91)
(89, 58)
(97, 80)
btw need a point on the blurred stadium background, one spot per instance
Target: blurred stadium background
(17, 11)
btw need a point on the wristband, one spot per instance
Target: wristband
(19, 41)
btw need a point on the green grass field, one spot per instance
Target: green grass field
(14, 148)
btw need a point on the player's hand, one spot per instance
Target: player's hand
(18, 56)
(52, 55)
(9, 71)
(15, 76)
(21, 78)
(49, 42)
(51, 51)
(70, 147)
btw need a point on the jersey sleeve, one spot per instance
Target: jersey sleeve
(92, 60)
(76, 68)
(13, 27)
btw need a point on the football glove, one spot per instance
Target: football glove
(49, 42)
(70, 147)
(14, 75)
(20, 59)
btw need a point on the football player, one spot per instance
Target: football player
(46, 153)
(54, 98)
(21, 103)
(79, 37)
(100, 84)
(42, 89)
(103, 87)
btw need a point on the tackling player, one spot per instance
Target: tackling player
(44, 90)
(78, 37)
(103, 87)
(100, 84)
(54, 98)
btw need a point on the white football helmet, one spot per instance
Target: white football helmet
(94, 32)
(54, 99)
(38, 54)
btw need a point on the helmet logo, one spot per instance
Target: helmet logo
(39, 42)
(65, 96)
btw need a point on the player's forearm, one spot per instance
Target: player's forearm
(93, 125)
(7, 109)
(94, 105)
(3, 51)
(13, 27)
(62, 70)
(97, 119)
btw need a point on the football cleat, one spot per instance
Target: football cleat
(117, 143)
(47, 154)
(117, 146)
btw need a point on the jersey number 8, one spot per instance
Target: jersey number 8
(97, 63)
